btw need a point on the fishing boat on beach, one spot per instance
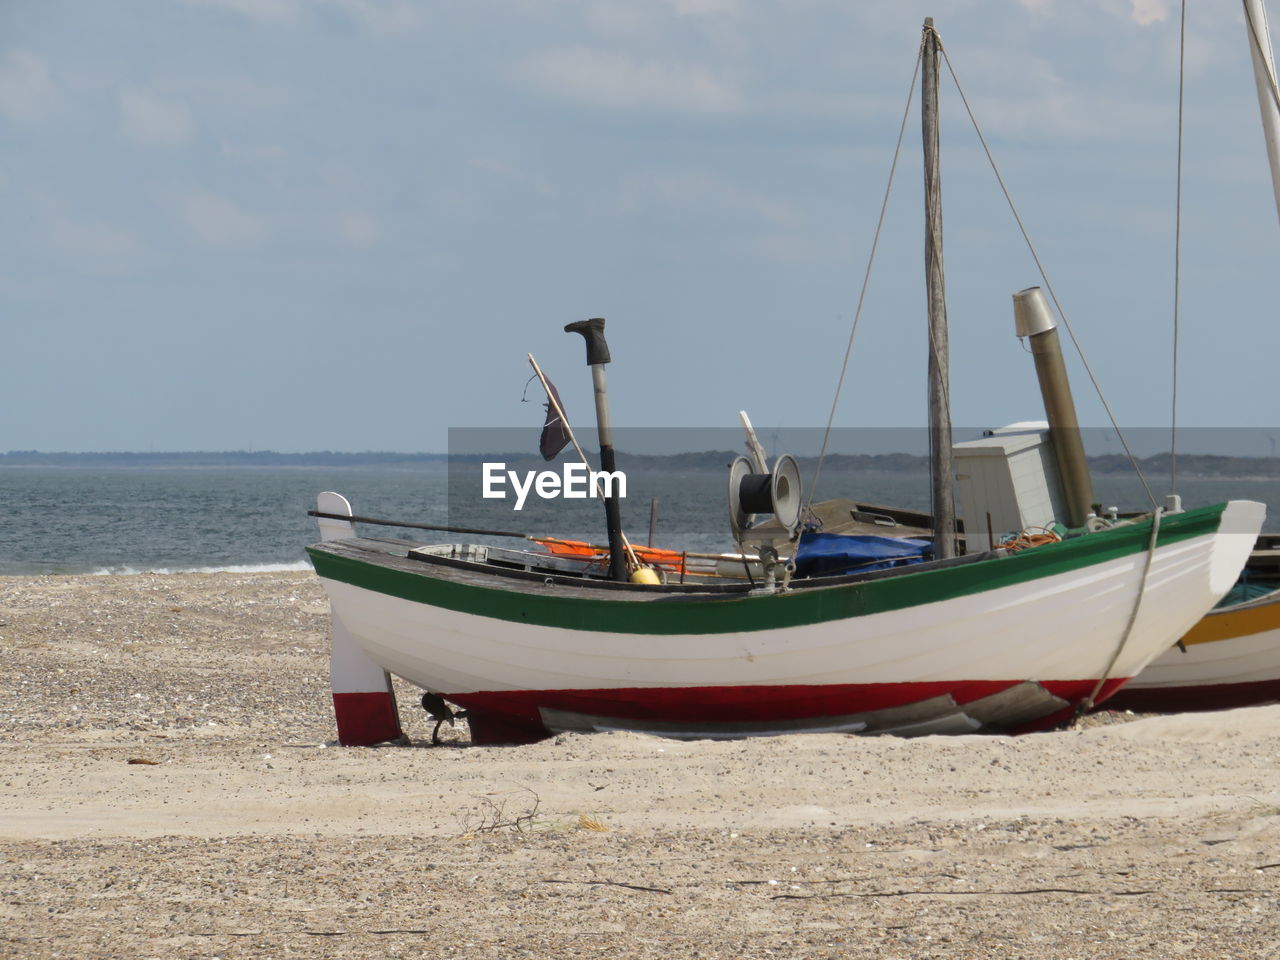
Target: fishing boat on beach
(1005, 637)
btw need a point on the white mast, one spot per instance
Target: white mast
(1264, 72)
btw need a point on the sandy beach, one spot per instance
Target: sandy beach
(170, 787)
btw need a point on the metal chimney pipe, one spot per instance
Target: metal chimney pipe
(1034, 320)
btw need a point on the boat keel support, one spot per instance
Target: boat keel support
(364, 703)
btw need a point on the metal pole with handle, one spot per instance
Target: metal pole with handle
(568, 429)
(597, 356)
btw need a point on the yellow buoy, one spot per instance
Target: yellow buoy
(644, 575)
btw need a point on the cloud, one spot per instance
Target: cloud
(264, 11)
(1149, 11)
(515, 174)
(379, 16)
(94, 241)
(150, 121)
(1063, 115)
(602, 79)
(359, 230)
(628, 19)
(621, 19)
(254, 153)
(218, 222)
(704, 8)
(1044, 104)
(26, 89)
(1142, 12)
(688, 191)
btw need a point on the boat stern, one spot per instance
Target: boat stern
(1237, 533)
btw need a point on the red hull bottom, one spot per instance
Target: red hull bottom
(1217, 696)
(905, 709)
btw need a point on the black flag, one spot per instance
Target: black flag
(555, 432)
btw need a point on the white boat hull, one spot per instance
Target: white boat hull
(1008, 657)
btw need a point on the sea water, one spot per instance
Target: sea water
(74, 520)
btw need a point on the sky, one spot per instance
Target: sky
(341, 224)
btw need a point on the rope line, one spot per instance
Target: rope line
(1087, 703)
(419, 526)
(1133, 462)
(866, 278)
(1177, 259)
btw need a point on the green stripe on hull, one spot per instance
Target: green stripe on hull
(700, 613)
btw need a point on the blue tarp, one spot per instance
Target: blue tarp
(825, 554)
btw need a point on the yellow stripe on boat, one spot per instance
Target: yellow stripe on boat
(1257, 617)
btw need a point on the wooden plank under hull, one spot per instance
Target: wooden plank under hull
(940, 714)
(724, 713)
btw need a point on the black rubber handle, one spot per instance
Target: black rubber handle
(593, 332)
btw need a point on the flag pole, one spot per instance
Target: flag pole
(555, 403)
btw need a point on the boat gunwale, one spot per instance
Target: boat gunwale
(535, 600)
(735, 588)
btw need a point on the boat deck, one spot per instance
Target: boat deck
(538, 573)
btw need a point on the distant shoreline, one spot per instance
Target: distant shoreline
(1189, 465)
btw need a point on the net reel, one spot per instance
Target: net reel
(752, 495)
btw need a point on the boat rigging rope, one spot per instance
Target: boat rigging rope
(419, 526)
(866, 278)
(1028, 538)
(1087, 703)
(1177, 258)
(1044, 276)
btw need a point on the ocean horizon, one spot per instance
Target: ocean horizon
(113, 519)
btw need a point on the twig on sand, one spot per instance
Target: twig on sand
(493, 815)
(613, 883)
(965, 893)
(352, 933)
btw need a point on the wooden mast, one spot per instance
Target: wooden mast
(943, 498)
